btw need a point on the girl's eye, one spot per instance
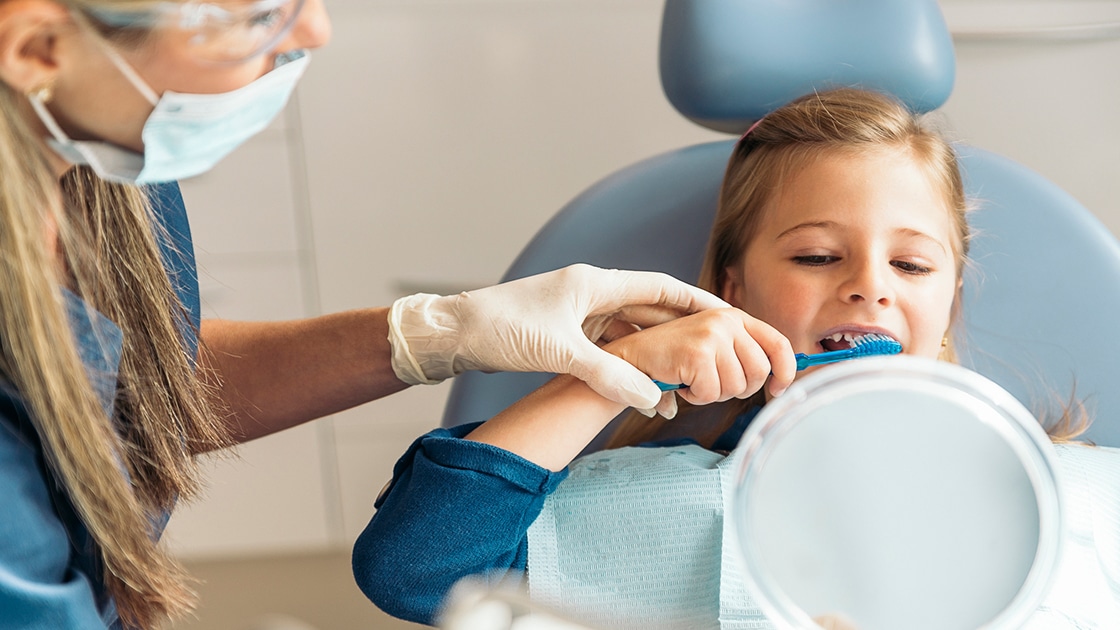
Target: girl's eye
(818, 260)
(912, 268)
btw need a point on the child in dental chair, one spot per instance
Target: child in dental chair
(841, 214)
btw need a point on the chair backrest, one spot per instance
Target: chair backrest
(1046, 273)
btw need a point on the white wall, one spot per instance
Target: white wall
(433, 137)
(1048, 101)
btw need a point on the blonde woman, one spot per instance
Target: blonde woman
(109, 383)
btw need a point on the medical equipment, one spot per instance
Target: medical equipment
(220, 31)
(865, 346)
(186, 134)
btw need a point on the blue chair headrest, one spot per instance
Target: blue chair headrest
(726, 63)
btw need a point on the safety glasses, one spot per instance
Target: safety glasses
(219, 31)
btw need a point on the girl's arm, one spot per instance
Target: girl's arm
(550, 426)
(453, 508)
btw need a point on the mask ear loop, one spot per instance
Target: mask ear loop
(130, 74)
(39, 99)
(123, 66)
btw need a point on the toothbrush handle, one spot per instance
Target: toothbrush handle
(821, 358)
(803, 361)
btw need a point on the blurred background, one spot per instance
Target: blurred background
(427, 144)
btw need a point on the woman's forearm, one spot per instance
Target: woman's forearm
(552, 425)
(275, 375)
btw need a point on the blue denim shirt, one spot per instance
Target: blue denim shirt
(50, 574)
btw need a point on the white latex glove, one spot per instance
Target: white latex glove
(544, 323)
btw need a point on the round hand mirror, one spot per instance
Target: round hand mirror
(897, 492)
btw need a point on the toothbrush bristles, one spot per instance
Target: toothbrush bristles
(875, 343)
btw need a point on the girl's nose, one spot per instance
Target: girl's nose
(868, 282)
(311, 30)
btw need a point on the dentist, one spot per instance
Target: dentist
(109, 382)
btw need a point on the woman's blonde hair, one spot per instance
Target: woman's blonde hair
(843, 121)
(107, 254)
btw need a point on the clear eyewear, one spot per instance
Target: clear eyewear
(221, 31)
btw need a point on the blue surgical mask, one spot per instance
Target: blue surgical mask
(186, 134)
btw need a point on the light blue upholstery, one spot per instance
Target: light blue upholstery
(1046, 279)
(725, 63)
(1041, 301)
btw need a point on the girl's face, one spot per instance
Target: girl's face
(849, 246)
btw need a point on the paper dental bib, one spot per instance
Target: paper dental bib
(635, 538)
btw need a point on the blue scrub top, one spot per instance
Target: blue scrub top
(50, 571)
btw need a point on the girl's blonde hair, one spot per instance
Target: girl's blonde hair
(843, 121)
(108, 255)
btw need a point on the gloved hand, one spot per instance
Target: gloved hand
(544, 323)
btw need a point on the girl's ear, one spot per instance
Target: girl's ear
(731, 289)
(29, 34)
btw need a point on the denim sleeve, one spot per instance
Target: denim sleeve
(40, 588)
(454, 508)
(177, 252)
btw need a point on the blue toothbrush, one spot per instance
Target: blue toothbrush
(865, 346)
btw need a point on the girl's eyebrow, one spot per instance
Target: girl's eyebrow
(823, 225)
(808, 225)
(922, 235)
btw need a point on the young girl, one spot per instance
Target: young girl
(841, 215)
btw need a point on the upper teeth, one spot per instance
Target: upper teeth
(849, 337)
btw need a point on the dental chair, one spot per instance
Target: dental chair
(1045, 285)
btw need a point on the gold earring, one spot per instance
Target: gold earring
(44, 93)
(945, 341)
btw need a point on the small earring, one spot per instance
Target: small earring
(44, 93)
(945, 341)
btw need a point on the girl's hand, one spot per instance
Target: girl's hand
(718, 354)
